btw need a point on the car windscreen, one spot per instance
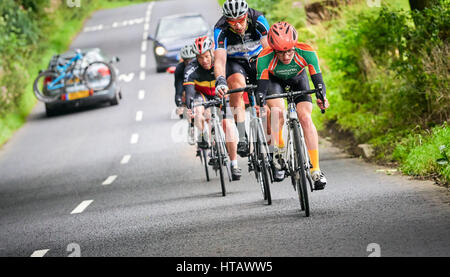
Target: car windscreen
(181, 27)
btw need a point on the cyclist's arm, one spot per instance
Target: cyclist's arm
(190, 93)
(220, 53)
(189, 84)
(310, 56)
(179, 75)
(220, 61)
(262, 27)
(262, 71)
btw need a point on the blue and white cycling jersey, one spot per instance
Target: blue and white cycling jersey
(244, 47)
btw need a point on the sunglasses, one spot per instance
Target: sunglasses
(235, 22)
(282, 53)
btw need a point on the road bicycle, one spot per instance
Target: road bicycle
(201, 153)
(297, 163)
(51, 84)
(219, 153)
(259, 158)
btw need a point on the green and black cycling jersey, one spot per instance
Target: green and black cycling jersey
(269, 65)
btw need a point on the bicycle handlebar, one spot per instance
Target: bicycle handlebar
(318, 92)
(249, 87)
(210, 103)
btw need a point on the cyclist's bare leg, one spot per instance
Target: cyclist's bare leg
(237, 80)
(276, 119)
(199, 120)
(230, 138)
(304, 110)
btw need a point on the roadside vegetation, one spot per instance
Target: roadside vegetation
(31, 31)
(387, 73)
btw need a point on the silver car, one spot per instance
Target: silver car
(77, 94)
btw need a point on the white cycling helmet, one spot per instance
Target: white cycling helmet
(187, 52)
(234, 8)
(203, 44)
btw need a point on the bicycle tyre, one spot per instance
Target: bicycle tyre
(221, 163)
(205, 163)
(42, 94)
(92, 82)
(302, 190)
(264, 163)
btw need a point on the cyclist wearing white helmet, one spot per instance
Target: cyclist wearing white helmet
(199, 84)
(187, 54)
(240, 35)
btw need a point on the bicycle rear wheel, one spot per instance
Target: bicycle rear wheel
(46, 88)
(99, 76)
(300, 171)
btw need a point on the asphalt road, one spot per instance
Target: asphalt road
(159, 203)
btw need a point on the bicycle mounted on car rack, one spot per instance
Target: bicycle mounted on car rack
(49, 85)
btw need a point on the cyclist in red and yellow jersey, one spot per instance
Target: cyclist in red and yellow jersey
(200, 85)
(283, 64)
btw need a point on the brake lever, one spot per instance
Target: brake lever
(319, 95)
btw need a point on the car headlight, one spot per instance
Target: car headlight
(160, 51)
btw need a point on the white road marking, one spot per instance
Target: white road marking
(144, 46)
(145, 36)
(39, 253)
(93, 28)
(141, 94)
(134, 139)
(139, 116)
(126, 77)
(146, 26)
(124, 23)
(109, 180)
(80, 208)
(125, 159)
(143, 59)
(142, 75)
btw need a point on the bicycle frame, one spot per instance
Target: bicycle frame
(63, 72)
(292, 118)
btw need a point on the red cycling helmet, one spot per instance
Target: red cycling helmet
(203, 44)
(282, 36)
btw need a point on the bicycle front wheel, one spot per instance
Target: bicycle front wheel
(264, 164)
(47, 88)
(220, 159)
(300, 171)
(205, 163)
(99, 76)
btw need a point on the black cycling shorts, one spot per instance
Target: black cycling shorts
(246, 68)
(299, 82)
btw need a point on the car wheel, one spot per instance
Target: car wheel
(50, 111)
(115, 100)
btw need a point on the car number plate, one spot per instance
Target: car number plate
(78, 94)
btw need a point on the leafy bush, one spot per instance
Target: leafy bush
(394, 75)
(426, 153)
